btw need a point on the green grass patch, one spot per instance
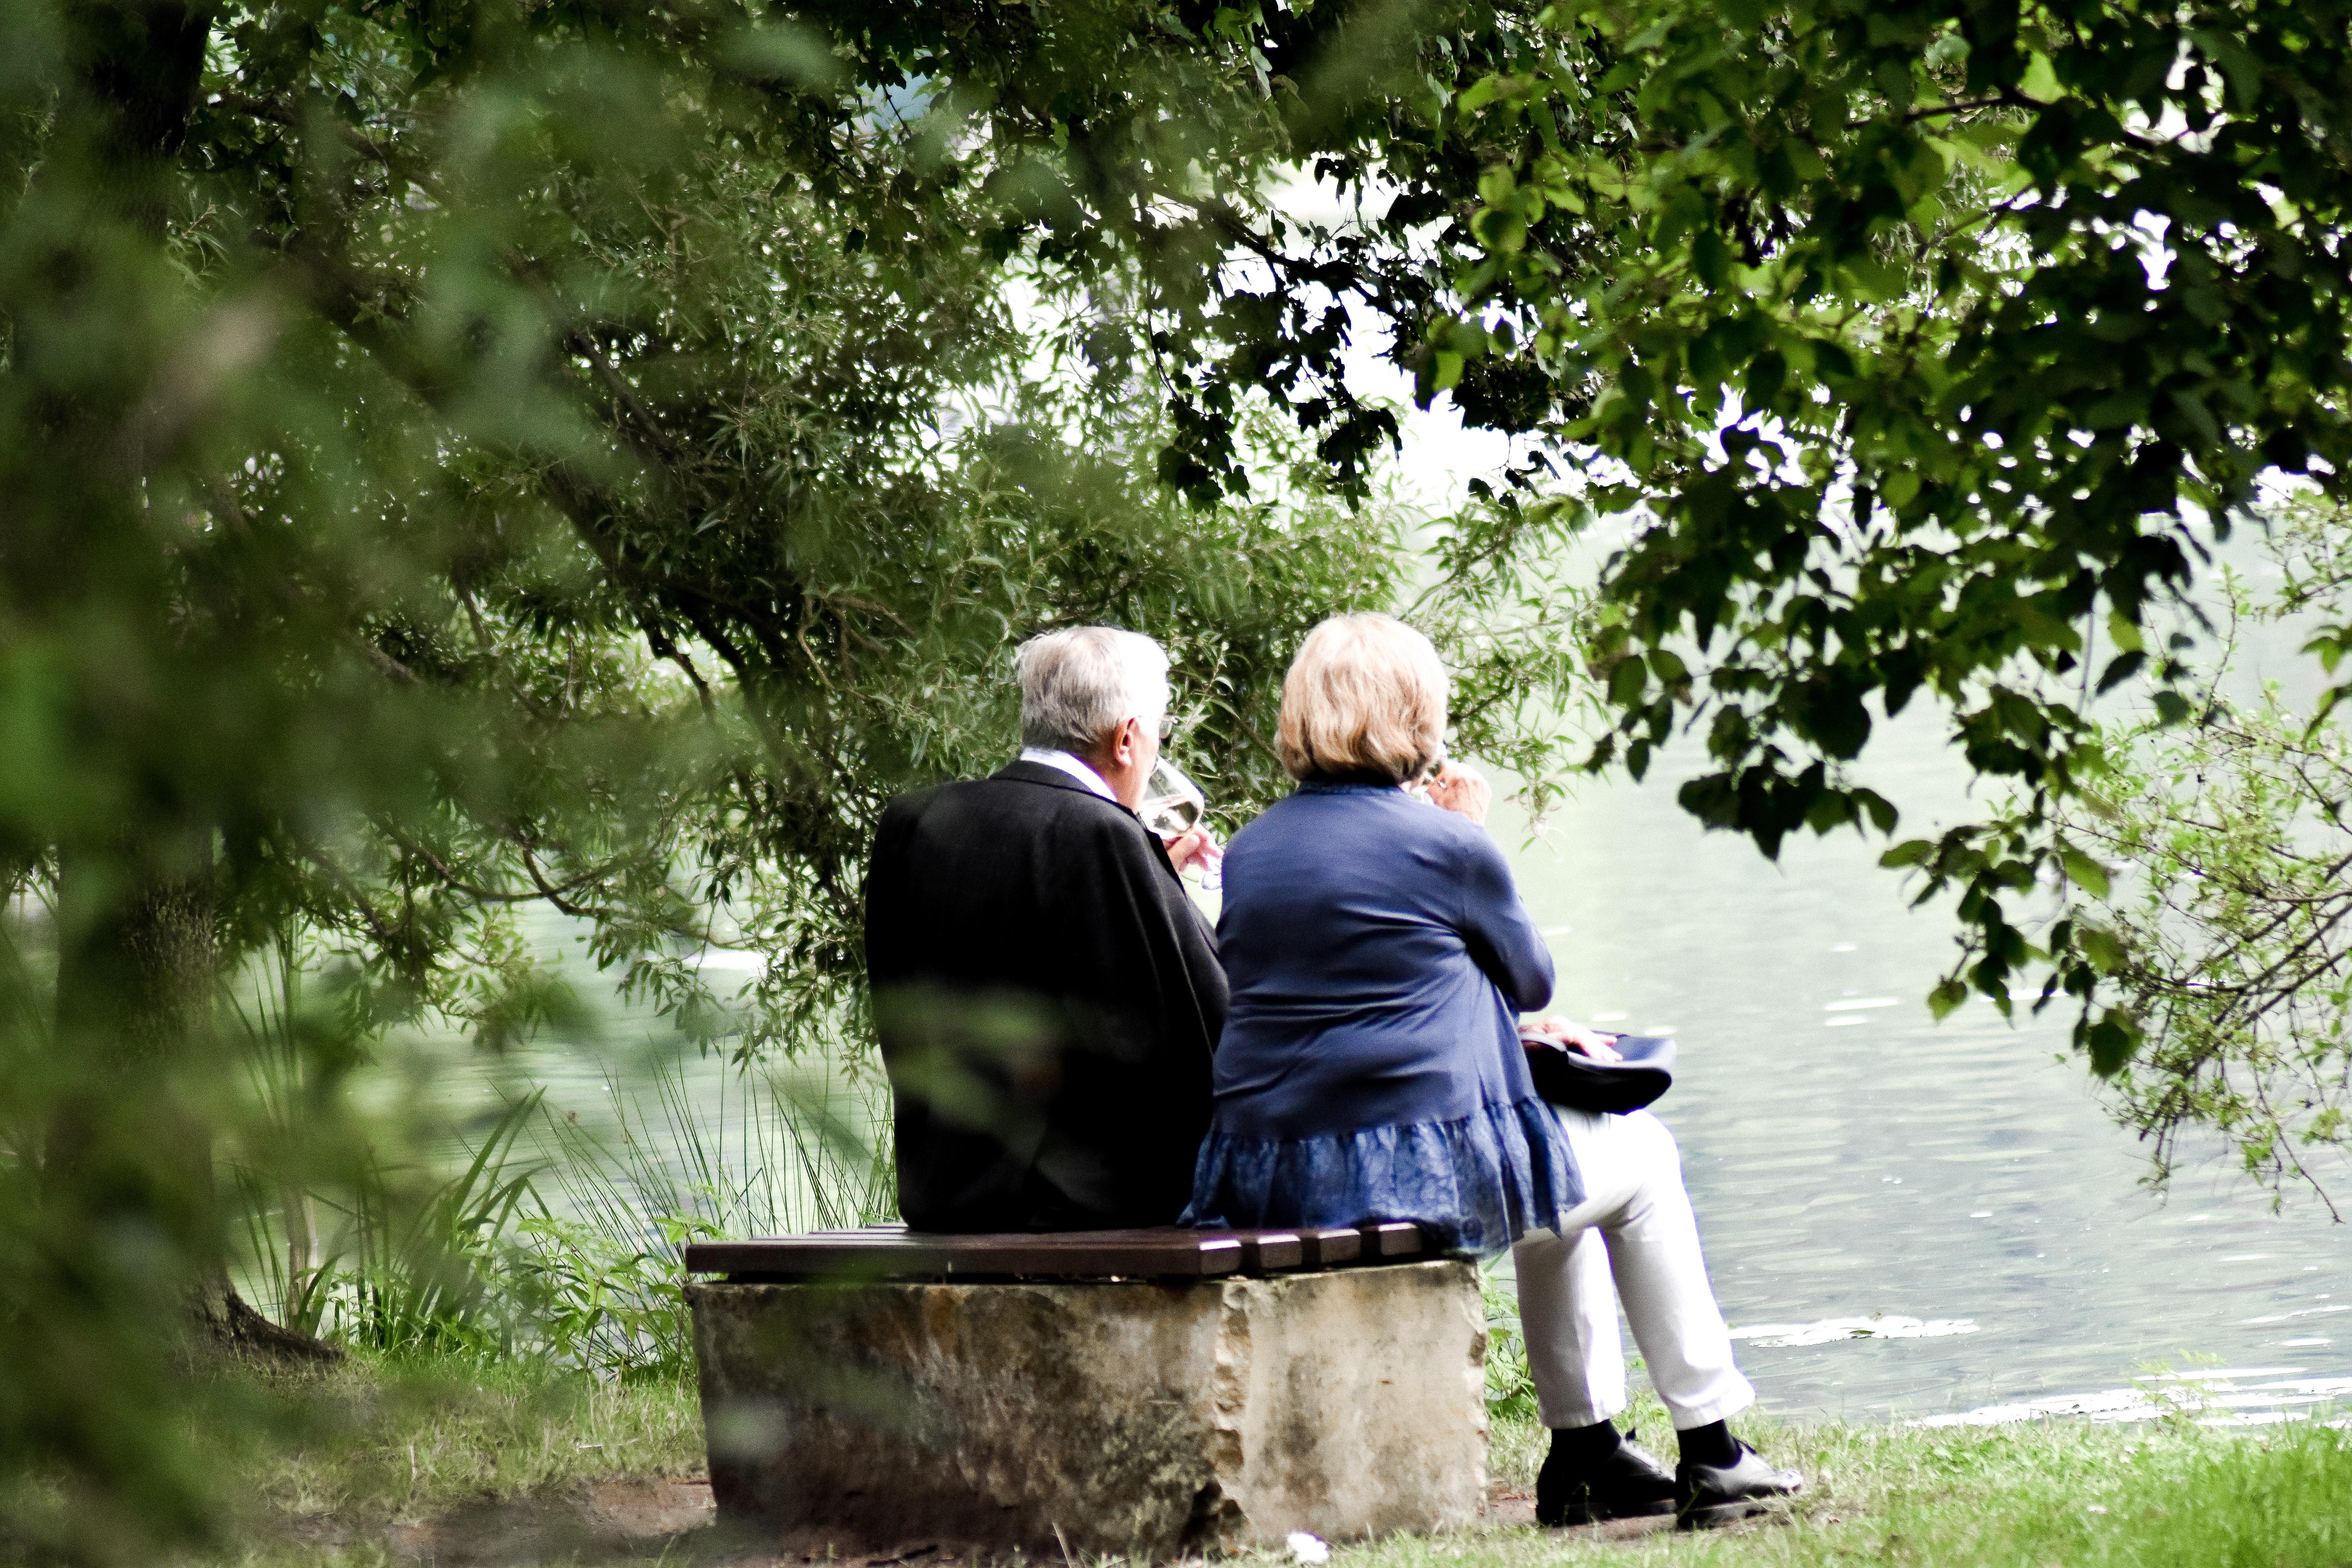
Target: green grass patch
(377, 1442)
(2032, 1496)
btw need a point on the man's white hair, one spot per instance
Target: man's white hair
(1080, 683)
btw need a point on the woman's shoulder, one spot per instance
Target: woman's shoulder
(1325, 817)
(1312, 808)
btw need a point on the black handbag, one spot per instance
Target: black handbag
(1569, 1077)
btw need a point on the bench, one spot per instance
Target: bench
(1150, 1392)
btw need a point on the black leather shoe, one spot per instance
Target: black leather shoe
(1629, 1482)
(1711, 1494)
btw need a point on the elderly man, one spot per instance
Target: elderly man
(1048, 999)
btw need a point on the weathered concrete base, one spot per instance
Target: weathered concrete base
(1148, 1419)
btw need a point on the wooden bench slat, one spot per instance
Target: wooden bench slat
(883, 1252)
(1333, 1244)
(1270, 1251)
(1073, 1254)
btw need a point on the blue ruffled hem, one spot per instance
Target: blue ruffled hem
(1477, 1184)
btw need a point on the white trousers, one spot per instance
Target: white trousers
(1633, 1238)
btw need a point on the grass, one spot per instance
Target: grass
(2029, 1496)
(380, 1441)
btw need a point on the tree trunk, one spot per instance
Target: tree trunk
(225, 1322)
(139, 954)
(136, 978)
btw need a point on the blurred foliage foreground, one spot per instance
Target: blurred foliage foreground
(457, 460)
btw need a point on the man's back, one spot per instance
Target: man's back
(1049, 1002)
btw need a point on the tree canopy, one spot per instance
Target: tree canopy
(1912, 342)
(464, 455)
(2223, 929)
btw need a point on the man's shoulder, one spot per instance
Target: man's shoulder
(1024, 792)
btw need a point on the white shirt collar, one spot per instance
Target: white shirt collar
(1073, 765)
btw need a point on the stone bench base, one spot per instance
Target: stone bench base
(1131, 1416)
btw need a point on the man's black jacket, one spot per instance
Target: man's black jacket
(1048, 1000)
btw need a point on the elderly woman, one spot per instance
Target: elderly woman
(1371, 1068)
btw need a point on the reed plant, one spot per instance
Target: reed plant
(769, 1151)
(553, 1237)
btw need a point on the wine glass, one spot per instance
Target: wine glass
(1172, 806)
(1417, 785)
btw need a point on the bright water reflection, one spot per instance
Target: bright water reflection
(1849, 1156)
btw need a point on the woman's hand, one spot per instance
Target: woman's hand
(1197, 847)
(1462, 790)
(1600, 1047)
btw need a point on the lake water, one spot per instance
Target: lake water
(1849, 1156)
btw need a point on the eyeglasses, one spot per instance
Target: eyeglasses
(1167, 724)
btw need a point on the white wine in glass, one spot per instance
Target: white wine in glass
(1172, 806)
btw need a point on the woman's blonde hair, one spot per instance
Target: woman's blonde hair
(1366, 695)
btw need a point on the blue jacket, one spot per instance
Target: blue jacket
(1370, 1068)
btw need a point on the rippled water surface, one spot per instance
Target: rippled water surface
(1849, 1156)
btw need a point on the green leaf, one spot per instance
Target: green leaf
(2120, 669)
(1710, 259)
(2112, 1042)
(2084, 872)
(788, 51)
(2100, 947)
(2238, 65)
(1946, 998)
(2041, 80)
(1910, 852)
(1500, 230)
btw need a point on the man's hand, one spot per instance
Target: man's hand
(1600, 1047)
(1199, 847)
(1462, 790)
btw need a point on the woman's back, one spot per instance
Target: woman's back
(1371, 1066)
(1365, 935)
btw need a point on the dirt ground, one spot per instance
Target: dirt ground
(628, 1520)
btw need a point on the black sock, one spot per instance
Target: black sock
(1584, 1447)
(1709, 1445)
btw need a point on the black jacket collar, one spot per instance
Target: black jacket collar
(1046, 773)
(1055, 778)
